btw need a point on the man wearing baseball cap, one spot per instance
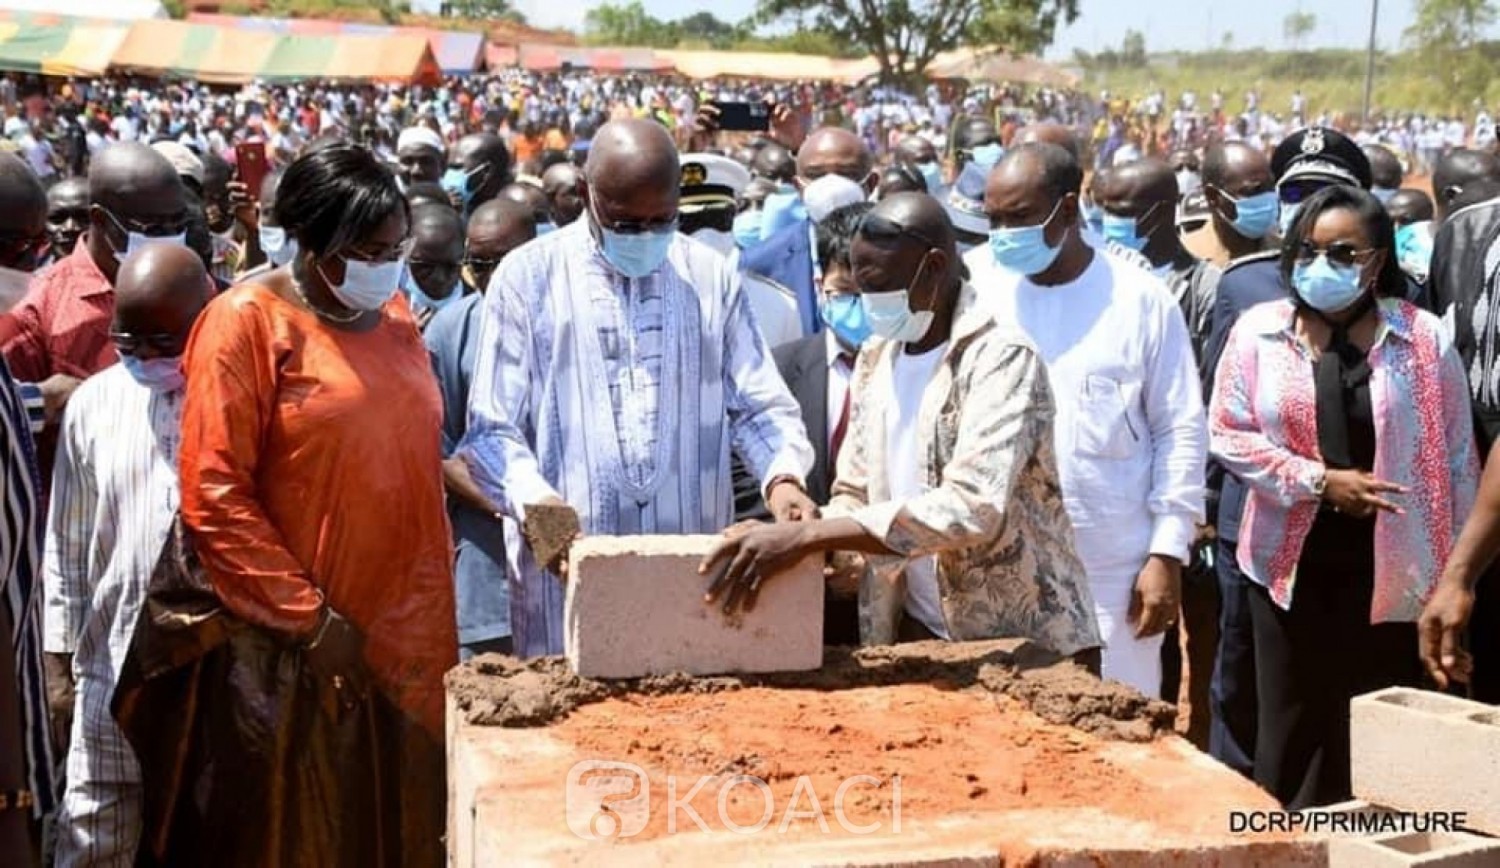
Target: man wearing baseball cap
(711, 185)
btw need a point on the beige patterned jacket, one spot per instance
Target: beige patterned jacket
(993, 514)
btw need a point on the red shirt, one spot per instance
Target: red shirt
(62, 325)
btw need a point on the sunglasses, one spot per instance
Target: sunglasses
(883, 231)
(165, 229)
(129, 344)
(636, 227)
(1341, 254)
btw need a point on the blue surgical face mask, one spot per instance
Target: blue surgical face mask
(986, 156)
(367, 285)
(1414, 248)
(1126, 231)
(845, 315)
(1255, 215)
(890, 315)
(1024, 249)
(1093, 218)
(457, 181)
(1288, 217)
(781, 209)
(636, 254)
(276, 245)
(158, 374)
(1384, 194)
(1327, 287)
(747, 228)
(932, 175)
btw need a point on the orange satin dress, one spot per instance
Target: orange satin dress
(311, 470)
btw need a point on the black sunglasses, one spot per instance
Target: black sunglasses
(1338, 253)
(127, 344)
(884, 231)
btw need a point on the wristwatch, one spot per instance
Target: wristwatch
(1320, 484)
(786, 477)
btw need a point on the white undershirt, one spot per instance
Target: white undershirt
(839, 372)
(910, 375)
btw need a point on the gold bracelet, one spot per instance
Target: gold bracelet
(16, 800)
(322, 628)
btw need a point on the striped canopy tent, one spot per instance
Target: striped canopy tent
(768, 65)
(180, 49)
(975, 64)
(57, 44)
(457, 52)
(547, 58)
(398, 58)
(498, 56)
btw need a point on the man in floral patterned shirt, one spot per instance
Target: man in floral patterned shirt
(948, 480)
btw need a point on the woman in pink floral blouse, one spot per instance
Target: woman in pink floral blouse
(1345, 411)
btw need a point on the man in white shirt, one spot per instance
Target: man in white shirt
(114, 497)
(1131, 437)
(710, 186)
(38, 151)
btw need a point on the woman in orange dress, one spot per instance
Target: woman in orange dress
(312, 485)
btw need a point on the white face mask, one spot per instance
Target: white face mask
(891, 317)
(367, 285)
(830, 193)
(135, 241)
(717, 239)
(276, 245)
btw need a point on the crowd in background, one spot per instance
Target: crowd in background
(1199, 401)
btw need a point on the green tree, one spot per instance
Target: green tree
(488, 10)
(708, 27)
(905, 36)
(1298, 26)
(1133, 49)
(1446, 39)
(627, 24)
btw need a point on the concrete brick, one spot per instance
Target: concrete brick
(635, 607)
(1422, 751)
(1429, 850)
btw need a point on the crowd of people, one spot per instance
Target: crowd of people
(1210, 423)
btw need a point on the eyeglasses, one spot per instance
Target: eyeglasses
(639, 227)
(1339, 253)
(165, 229)
(392, 254)
(883, 231)
(430, 265)
(129, 344)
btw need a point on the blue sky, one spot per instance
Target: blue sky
(1168, 24)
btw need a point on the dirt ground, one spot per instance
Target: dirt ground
(492, 690)
(997, 747)
(955, 751)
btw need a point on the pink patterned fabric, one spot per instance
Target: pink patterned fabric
(1263, 425)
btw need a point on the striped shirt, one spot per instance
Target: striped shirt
(114, 495)
(20, 586)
